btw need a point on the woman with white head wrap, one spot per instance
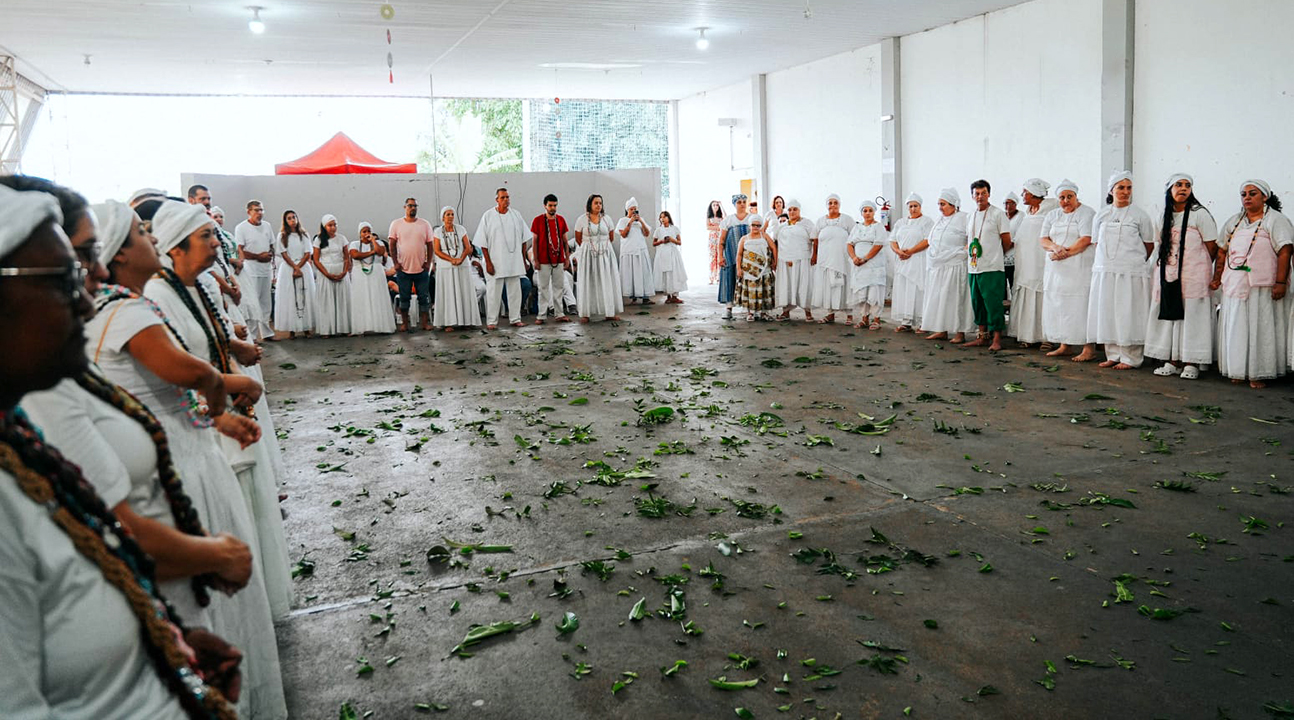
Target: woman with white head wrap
(756, 258)
(868, 254)
(831, 262)
(1119, 303)
(1180, 326)
(732, 229)
(636, 280)
(456, 304)
(1067, 278)
(332, 263)
(909, 243)
(295, 289)
(1011, 206)
(370, 302)
(947, 304)
(1254, 274)
(1025, 322)
(794, 238)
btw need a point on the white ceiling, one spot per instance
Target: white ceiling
(472, 48)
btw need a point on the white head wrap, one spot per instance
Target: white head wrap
(867, 204)
(175, 221)
(1262, 186)
(1066, 184)
(143, 194)
(792, 203)
(756, 220)
(831, 197)
(215, 210)
(327, 219)
(1117, 178)
(1037, 187)
(22, 213)
(360, 230)
(1013, 197)
(950, 196)
(1179, 176)
(631, 203)
(446, 209)
(914, 198)
(114, 227)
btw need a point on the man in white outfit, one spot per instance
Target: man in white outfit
(255, 240)
(502, 237)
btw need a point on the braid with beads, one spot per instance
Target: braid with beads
(185, 517)
(56, 484)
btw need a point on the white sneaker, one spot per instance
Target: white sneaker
(1170, 369)
(1190, 372)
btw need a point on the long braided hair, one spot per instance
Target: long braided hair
(56, 484)
(182, 511)
(212, 326)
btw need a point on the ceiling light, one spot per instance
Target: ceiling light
(255, 25)
(702, 42)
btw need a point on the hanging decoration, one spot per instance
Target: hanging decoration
(388, 13)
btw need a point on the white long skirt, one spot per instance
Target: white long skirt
(1026, 315)
(826, 297)
(1253, 336)
(598, 287)
(905, 302)
(1189, 340)
(636, 275)
(794, 287)
(947, 306)
(456, 304)
(332, 305)
(669, 276)
(1064, 318)
(370, 301)
(294, 306)
(245, 619)
(1117, 308)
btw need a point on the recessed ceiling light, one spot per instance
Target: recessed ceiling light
(702, 42)
(255, 24)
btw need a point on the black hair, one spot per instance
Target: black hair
(1274, 202)
(499, 190)
(72, 203)
(147, 209)
(193, 191)
(547, 198)
(668, 216)
(283, 227)
(323, 237)
(981, 183)
(406, 200)
(588, 204)
(774, 203)
(1166, 230)
(710, 211)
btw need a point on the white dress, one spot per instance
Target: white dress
(246, 619)
(293, 303)
(1119, 304)
(867, 281)
(947, 306)
(1191, 339)
(669, 275)
(1025, 323)
(910, 274)
(636, 279)
(1068, 282)
(370, 301)
(831, 275)
(72, 646)
(1253, 329)
(456, 304)
(332, 299)
(598, 283)
(794, 287)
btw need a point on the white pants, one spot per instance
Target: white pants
(872, 310)
(259, 287)
(1130, 354)
(494, 298)
(551, 281)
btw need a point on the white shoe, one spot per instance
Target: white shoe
(1190, 372)
(1170, 369)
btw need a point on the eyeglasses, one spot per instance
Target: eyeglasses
(72, 277)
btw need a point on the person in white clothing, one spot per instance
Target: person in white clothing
(909, 243)
(370, 301)
(831, 262)
(1180, 324)
(598, 284)
(332, 282)
(946, 309)
(255, 240)
(1011, 206)
(636, 280)
(294, 311)
(794, 240)
(1067, 237)
(989, 233)
(456, 296)
(1119, 303)
(867, 254)
(670, 275)
(1254, 273)
(1025, 323)
(550, 256)
(502, 237)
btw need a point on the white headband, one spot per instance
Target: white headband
(1117, 178)
(1011, 196)
(866, 204)
(362, 226)
(831, 197)
(1037, 187)
(1066, 184)
(143, 194)
(115, 219)
(631, 203)
(446, 209)
(1179, 176)
(176, 221)
(914, 198)
(23, 212)
(793, 203)
(950, 196)
(757, 220)
(1262, 186)
(327, 219)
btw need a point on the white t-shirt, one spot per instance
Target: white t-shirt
(332, 257)
(662, 232)
(107, 334)
(595, 239)
(1120, 236)
(948, 240)
(634, 241)
(1275, 222)
(257, 239)
(1066, 229)
(988, 226)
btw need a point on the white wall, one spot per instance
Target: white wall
(706, 165)
(824, 132)
(1004, 96)
(1214, 97)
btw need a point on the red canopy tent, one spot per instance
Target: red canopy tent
(341, 156)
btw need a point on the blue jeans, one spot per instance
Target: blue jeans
(413, 283)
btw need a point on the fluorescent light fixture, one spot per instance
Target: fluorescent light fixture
(886, 118)
(255, 24)
(702, 42)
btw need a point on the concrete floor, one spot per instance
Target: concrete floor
(991, 593)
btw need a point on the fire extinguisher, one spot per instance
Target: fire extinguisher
(883, 215)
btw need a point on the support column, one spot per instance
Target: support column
(675, 177)
(891, 127)
(11, 136)
(759, 137)
(1118, 33)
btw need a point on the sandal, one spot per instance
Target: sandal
(876, 325)
(1190, 372)
(1169, 370)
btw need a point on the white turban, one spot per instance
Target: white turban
(215, 210)
(831, 197)
(1066, 184)
(756, 220)
(1037, 187)
(1179, 176)
(327, 219)
(631, 203)
(950, 196)
(914, 198)
(363, 225)
(175, 221)
(1262, 186)
(793, 203)
(1012, 197)
(114, 227)
(867, 204)
(1117, 178)
(143, 194)
(21, 213)
(446, 209)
